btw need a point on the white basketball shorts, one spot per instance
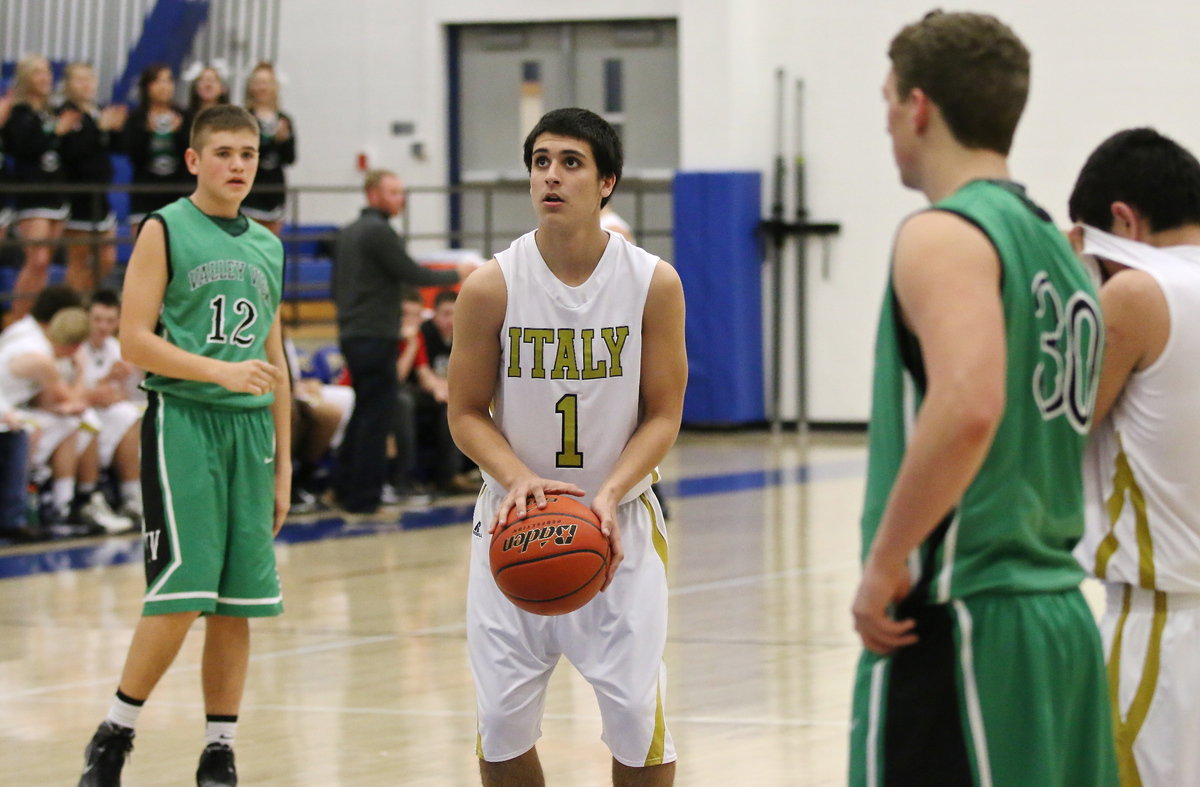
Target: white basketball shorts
(1156, 636)
(616, 642)
(115, 422)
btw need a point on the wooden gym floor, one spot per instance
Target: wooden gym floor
(364, 679)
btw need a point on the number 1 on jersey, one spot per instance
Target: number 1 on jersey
(569, 456)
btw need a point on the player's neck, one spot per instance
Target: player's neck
(957, 166)
(571, 253)
(1187, 235)
(213, 206)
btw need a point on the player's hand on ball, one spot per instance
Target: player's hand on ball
(606, 510)
(252, 377)
(530, 491)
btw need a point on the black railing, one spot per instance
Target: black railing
(485, 236)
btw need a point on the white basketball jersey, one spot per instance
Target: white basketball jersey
(19, 390)
(1141, 491)
(99, 361)
(569, 385)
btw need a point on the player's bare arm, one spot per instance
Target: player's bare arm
(55, 394)
(947, 279)
(145, 283)
(281, 414)
(474, 361)
(663, 381)
(1137, 323)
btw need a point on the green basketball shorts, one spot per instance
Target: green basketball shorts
(1000, 690)
(208, 487)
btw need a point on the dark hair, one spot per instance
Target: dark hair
(105, 297)
(973, 67)
(1153, 174)
(588, 127)
(410, 294)
(53, 299)
(444, 296)
(148, 75)
(222, 117)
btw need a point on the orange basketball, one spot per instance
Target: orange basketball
(554, 560)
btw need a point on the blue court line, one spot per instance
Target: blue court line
(117, 551)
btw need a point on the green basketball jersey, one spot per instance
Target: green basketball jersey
(222, 293)
(1017, 522)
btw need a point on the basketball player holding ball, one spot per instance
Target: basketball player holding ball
(567, 378)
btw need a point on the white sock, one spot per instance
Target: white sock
(220, 729)
(131, 494)
(62, 492)
(124, 710)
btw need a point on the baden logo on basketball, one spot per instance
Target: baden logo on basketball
(561, 535)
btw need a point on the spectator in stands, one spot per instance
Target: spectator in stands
(410, 359)
(611, 220)
(14, 476)
(371, 267)
(448, 466)
(30, 379)
(85, 150)
(155, 139)
(320, 413)
(6, 102)
(106, 382)
(267, 202)
(33, 139)
(207, 90)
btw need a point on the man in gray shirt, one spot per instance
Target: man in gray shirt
(371, 269)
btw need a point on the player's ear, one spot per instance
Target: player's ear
(1127, 222)
(922, 109)
(192, 159)
(607, 184)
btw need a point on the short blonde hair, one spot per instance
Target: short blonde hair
(375, 177)
(25, 67)
(68, 326)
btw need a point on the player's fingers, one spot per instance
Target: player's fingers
(874, 645)
(616, 555)
(881, 634)
(502, 510)
(538, 494)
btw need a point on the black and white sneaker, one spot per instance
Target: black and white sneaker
(216, 767)
(97, 514)
(105, 755)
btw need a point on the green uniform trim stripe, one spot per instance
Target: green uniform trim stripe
(168, 510)
(1126, 730)
(875, 720)
(976, 733)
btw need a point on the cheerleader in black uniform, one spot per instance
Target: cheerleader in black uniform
(155, 139)
(85, 152)
(33, 140)
(207, 90)
(5, 195)
(267, 201)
